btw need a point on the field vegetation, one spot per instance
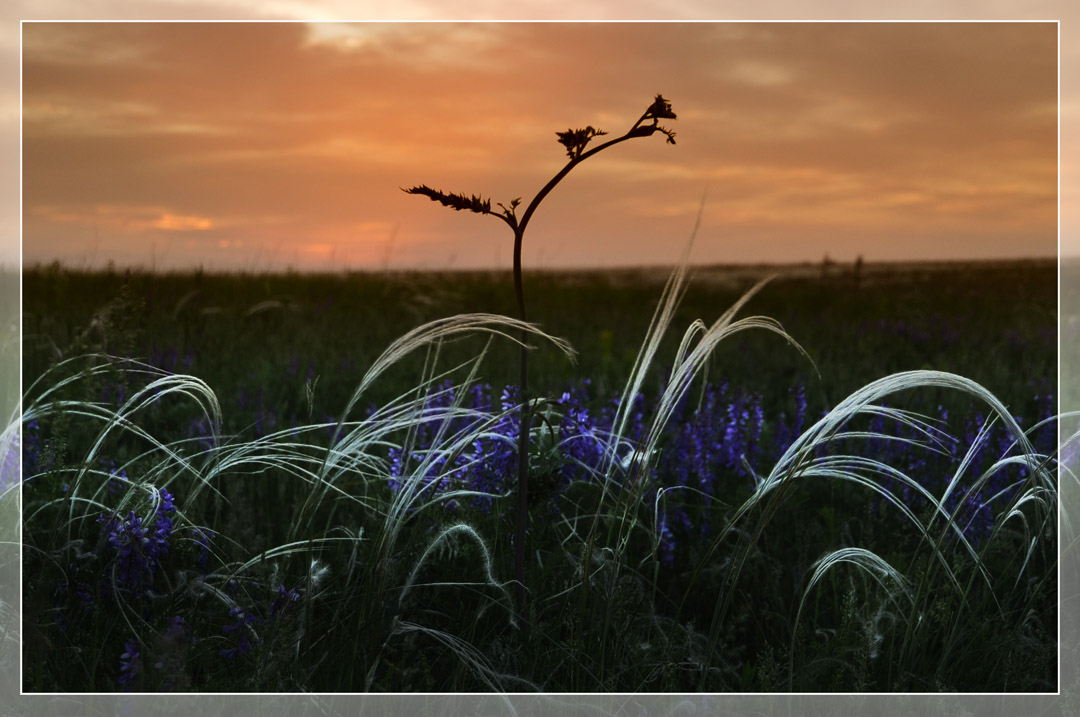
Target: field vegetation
(307, 483)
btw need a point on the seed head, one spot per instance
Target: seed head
(473, 203)
(659, 109)
(575, 139)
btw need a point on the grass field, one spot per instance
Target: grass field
(211, 505)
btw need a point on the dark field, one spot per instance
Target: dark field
(264, 336)
(270, 550)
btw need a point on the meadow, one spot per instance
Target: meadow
(290, 482)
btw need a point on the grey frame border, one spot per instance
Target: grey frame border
(1065, 703)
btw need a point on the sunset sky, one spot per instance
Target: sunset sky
(273, 145)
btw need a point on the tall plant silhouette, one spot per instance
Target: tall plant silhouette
(576, 142)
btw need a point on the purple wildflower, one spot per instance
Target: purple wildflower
(283, 599)
(130, 664)
(245, 636)
(202, 537)
(138, 549)
(31, 447)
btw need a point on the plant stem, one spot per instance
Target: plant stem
(523, 441)
(526, 408)
(575, 142)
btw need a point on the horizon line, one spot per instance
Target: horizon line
(826, 261)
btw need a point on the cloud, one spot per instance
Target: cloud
(126, 219)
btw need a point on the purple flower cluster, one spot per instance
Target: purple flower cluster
(974, 511)
(137, 548)
(31, 448)
(168, 655)
(715, 440)
(240, 633)
(202, 538)
(719, 437)
(242, 637)
(576, 440)
(169, 649)
(711, 440)
(130, 664)
(283, 600)
(585, 435)
(489, 463)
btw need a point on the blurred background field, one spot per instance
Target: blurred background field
(257, 339)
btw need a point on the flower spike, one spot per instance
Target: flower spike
(454, 201)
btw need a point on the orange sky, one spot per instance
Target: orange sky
(271, 145)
